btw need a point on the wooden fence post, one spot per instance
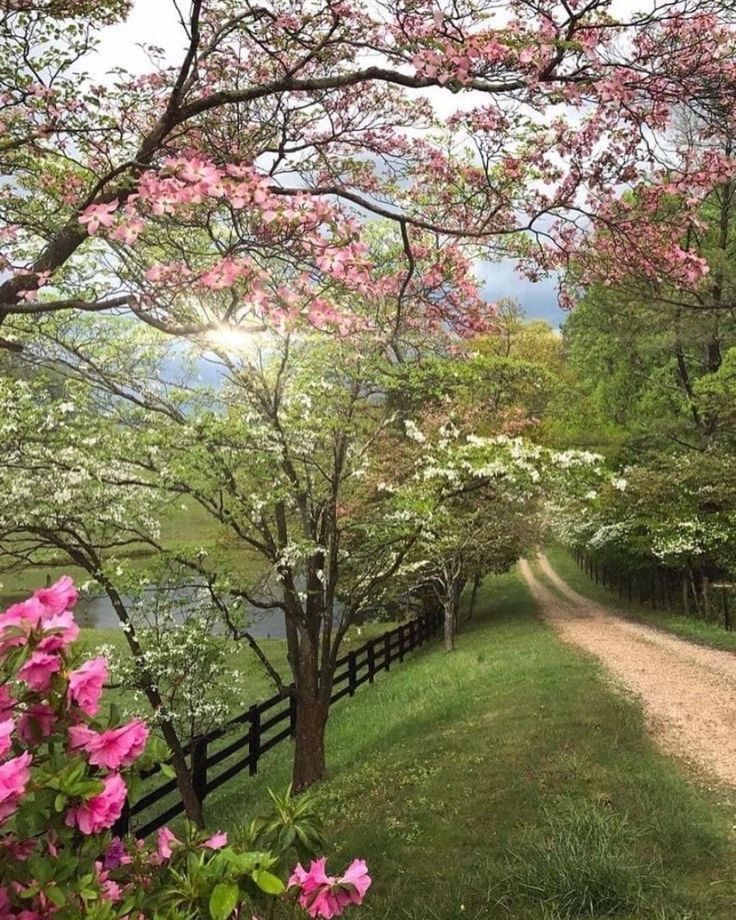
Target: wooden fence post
(726, 611)
(371, 662)
(387, 650)
(199, 768)
(401, 642)
(254, 745)
(122, 826)
(352, 673)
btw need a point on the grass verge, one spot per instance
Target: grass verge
(709, 634)
(507, 780)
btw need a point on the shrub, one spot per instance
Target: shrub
(63, 783)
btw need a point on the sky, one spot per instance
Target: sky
(155, 22)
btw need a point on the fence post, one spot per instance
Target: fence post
(412, 635)
(199, 768)
(726, 611)
(352, 673)
(387, 650)
(401, 642)
(254, 745)
(371, 662)
(122, 826)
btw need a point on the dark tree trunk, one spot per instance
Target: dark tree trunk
(476, 584)
(309, 741)
(192, 805)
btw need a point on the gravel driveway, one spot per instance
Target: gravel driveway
(688, 692)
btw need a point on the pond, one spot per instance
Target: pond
(96, 612)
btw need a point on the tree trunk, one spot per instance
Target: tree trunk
(705, 587)
(449, 609)
(192, 805)
(309, 741)
(685, 595)
(476, 584)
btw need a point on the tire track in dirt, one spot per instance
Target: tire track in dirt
(688, 692)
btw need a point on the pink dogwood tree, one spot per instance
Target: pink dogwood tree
(239, 181)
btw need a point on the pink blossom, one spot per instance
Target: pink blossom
(17, 622)
(128, 233)
(58, 597)
(98, 215)
(216, 841)
(37, 721)
(85, 684)
(116, 855)
(62, 631)
(7, 701)
(14, 776)
(323, 895)
(101, 811)
(164, 842)
(39, 669)
(114, 748)
(111, 890)
(7, 727)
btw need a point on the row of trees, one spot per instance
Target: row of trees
(357, 483)
(652, 367)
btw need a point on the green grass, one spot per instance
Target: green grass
(255, 683)
(508, 780)
(686, 627)
(185, 525)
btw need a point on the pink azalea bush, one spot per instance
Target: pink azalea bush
(64, 780)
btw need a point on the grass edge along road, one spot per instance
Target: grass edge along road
(508, 780)
(686, 627)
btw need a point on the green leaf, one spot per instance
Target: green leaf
(223, 900)
(267, 882)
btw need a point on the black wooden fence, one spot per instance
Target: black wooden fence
(238, 745)
(707, 594)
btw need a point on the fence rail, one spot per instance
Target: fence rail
(221, 754)
(707, 595)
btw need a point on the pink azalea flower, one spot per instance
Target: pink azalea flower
(57, 598)
(111, 890)
(101, 811)
(36, 722)
(17, 622)
(62, 631)
(7, 701)
(164, 842)
(7, 727)
(39, 669)
(326, 896)
(114, 748)
(85, 684)
(14, 776)
(216, 841)
(356, 876)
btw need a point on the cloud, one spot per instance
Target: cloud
(539, 299)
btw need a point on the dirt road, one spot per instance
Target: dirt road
(688, 692)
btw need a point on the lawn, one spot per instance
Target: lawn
(255, 684)
(695, 630)
(508, 780)
(186, 525)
